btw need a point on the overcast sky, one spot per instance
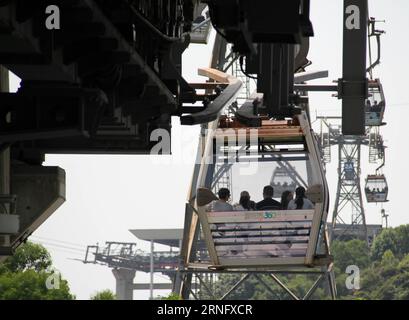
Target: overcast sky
(108, 195)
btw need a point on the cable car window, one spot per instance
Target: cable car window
(376, 188)
(375, 104)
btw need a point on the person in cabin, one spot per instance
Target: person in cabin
(222, 204)
(245, 204)
(286, 197)
(268, 203)
(301, 202)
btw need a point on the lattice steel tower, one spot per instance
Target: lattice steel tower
(348, 217)
(349, 193)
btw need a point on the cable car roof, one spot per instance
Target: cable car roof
(269, 131)
(376, 177)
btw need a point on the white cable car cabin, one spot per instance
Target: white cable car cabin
(376, 188)
(375, 104)
(281, 181)
(349, 171)
(267, 238)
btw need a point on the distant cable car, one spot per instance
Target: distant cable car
(281, 181)
(375, 104)
(349, 170)
(376, 188)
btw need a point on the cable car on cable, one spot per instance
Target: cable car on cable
(375, 104)
(349, 170)
(376, 188)
(266, 237)
(281, 181)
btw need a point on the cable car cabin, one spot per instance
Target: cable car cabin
(375, 104)
(282, 181)
(269, 237)
(349, 171)
(376, 188)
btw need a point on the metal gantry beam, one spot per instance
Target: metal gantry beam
(324, 280)
(124, 260)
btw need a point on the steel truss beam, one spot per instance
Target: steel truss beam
(324, 276)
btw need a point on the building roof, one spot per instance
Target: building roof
(168, 237)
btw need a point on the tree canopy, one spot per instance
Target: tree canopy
(29, 275)
(394, 239)
(103, 295)
(30, 256)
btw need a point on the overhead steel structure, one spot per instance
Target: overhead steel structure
(100, 81)
(348, 208)
(348, 218)
(124, 260)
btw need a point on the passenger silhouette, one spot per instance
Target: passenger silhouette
(301, 201)
(245, 203)
(268, 203)
(221, 204)
(286, 197)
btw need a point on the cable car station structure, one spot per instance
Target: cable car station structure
(112, 76)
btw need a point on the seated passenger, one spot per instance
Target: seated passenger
(221, 204)
(368, 106)
(245, 204)
(300, 202)
(268, 203)
(286, 197)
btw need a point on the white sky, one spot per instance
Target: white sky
(108, 195)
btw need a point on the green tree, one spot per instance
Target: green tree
(226, 281)
(394, 239)
(387, 278)
(404, 264)
(103, 295)
(29, 256)
(171, 296)
(352, 252)
(28, 275)
(31, 285)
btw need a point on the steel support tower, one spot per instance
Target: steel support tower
(349, 186)
(349, 208)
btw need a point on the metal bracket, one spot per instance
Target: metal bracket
(352, 89)
(10, 199)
